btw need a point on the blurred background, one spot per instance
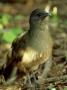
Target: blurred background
(14, 20)
(14, 15)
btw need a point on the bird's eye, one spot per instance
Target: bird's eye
(38, 15)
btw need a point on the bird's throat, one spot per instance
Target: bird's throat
(39, 37)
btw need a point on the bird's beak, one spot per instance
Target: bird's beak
(45, 15)
(48, 14)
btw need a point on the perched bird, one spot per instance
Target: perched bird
(35, 46)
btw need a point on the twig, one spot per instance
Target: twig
(58, 78)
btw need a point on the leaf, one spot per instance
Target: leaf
(8, 37)
(17, 30)
(53, 89)
(5, 19)
(1, 27)
(54, 11)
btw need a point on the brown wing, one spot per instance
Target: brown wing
(20, 42)
(14, 58)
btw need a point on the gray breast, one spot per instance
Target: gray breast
(39, 40)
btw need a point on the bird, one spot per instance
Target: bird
(34, 47)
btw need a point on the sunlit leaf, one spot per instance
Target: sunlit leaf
(54, 11)
(16, 30)
(9, 37)
(5, 19)
(1, 27)
(53, 89)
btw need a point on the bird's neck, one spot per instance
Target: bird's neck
(38, 29)
(34, 26)
(38, 36)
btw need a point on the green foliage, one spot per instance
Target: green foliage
(53, 89)
(10, 35)
(54, 11)
(54, 16)
(55, 19)
(65, 22)
(5, 19)
(65, 88)
(1, 27)
(16, 30)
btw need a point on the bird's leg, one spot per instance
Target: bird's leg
(28, 82)
(27, 79)
(31, 81)
(32, 85)
(35, 80)
(44, 75)
(47, 68)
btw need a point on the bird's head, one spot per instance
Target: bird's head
(37, 16)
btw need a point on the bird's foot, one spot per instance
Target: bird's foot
(35, 81)
(31, 82)
(28, 83)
